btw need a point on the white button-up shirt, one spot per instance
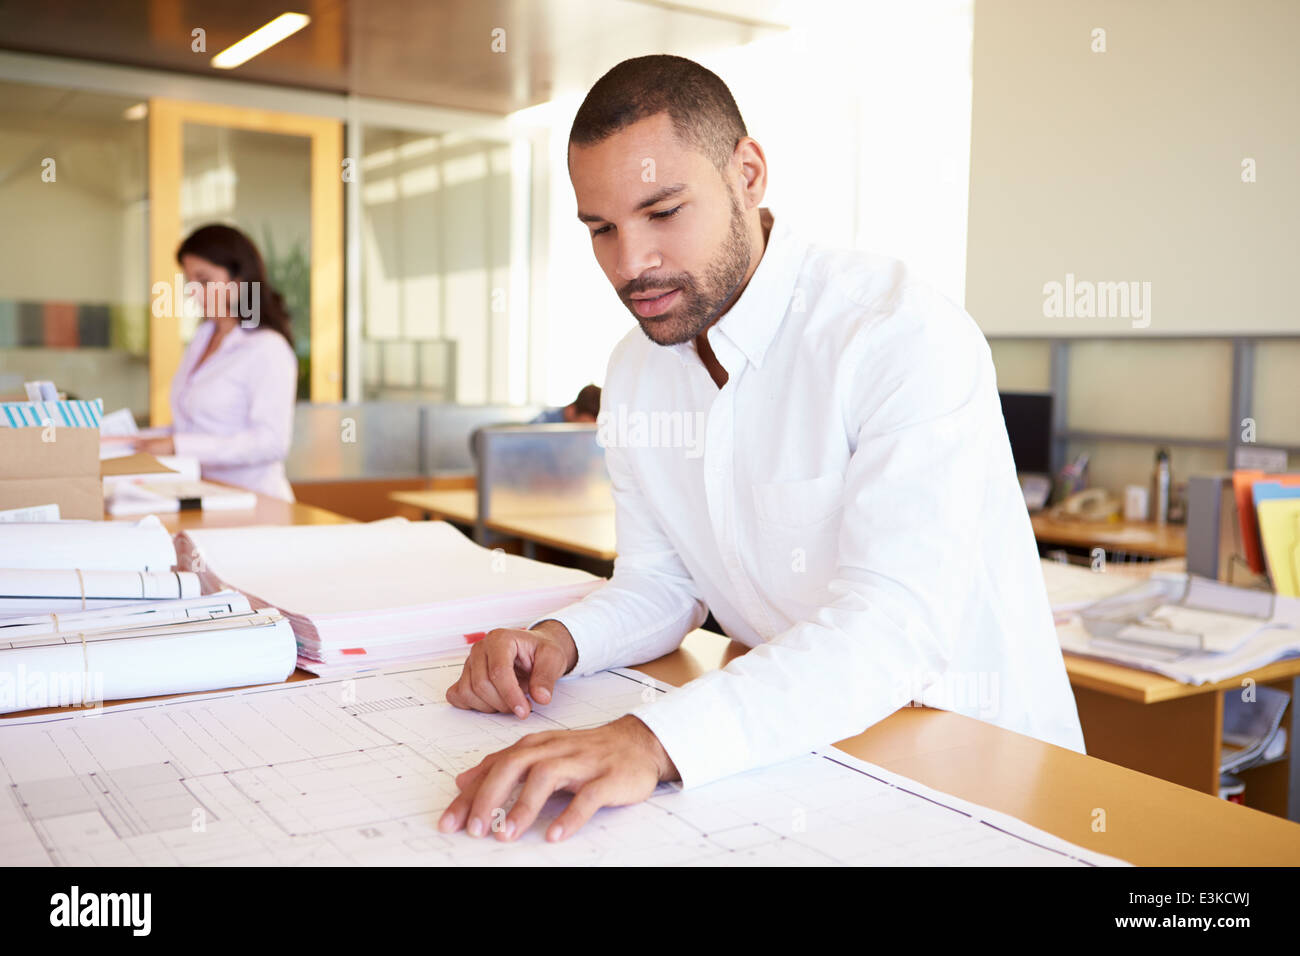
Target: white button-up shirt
(234, 413)
(846, 504)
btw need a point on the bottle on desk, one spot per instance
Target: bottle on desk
(1161, 485)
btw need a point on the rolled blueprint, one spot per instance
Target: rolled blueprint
(144, 545)
(76, 669)
(35, 591)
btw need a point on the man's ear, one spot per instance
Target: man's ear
(751, 171)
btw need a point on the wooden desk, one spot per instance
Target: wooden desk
(458, 504)
(268, 511)
(588, 533)
(1151, 723)
(1149, 821)
(1144, 538)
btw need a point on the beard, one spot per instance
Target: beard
(700, 300)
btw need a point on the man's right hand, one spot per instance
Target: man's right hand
(507, 661)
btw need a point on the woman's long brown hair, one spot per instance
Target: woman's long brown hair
(229, 248)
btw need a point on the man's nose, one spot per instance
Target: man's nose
(636, 256)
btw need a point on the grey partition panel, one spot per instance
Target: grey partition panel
(541, 469)
(355, 441)
(446, 430)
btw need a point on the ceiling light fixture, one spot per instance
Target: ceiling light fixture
(260, 40)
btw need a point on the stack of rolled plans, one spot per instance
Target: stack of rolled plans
(92, 611)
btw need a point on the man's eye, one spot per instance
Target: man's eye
(604, 228)
(667, 214)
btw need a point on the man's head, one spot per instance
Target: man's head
(668, 183)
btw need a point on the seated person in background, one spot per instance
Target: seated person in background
(584, 408)
(232, 396)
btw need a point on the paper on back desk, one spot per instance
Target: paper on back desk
(1278, 641)
(1070, 586)
(326, 570)
(185, 658)
(144, 545)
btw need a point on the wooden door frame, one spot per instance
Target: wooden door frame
(166, 156)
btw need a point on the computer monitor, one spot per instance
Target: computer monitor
(1029, 426)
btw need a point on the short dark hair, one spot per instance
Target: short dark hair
(588, 401)
(703, 113)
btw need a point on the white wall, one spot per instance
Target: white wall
(1126, 165)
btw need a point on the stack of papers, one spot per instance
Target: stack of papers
(128, 657)
(142, 496)
(1232, 635)
(1071, 587)
(362, 595)
(89, 611)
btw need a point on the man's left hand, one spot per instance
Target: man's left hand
(610, 766)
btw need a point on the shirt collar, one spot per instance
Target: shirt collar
(753, 320)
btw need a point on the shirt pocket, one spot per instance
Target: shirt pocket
(800, 505)
(796, 545)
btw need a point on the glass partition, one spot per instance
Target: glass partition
(541, 470)
(73, 259)
(436, 246)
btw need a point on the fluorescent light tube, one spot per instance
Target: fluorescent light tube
(260, 40)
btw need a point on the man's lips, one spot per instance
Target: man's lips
(652, 305)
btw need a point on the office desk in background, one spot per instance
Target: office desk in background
(1142, 538)
(1159, 726)
(586, 533)
(592, 533)
(272, 511)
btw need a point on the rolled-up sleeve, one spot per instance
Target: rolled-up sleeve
(892, 609)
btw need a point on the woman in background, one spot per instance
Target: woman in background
(233, 395)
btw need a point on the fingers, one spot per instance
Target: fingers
(491, 680)
(548, 667)
(493, 788)
(599, 793)
(478, 670)
(543, 780)
(485, 788)
(453, 818)
(594, 764)
(500, 667)
(461, 695)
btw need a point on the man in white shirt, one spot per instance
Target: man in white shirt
(836, 486)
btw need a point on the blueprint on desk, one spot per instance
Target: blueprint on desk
(358, 770)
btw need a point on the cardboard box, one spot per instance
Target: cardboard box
(64, 471)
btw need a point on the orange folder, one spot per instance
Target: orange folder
(1242, 483)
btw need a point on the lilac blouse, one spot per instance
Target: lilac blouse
(234, 413)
